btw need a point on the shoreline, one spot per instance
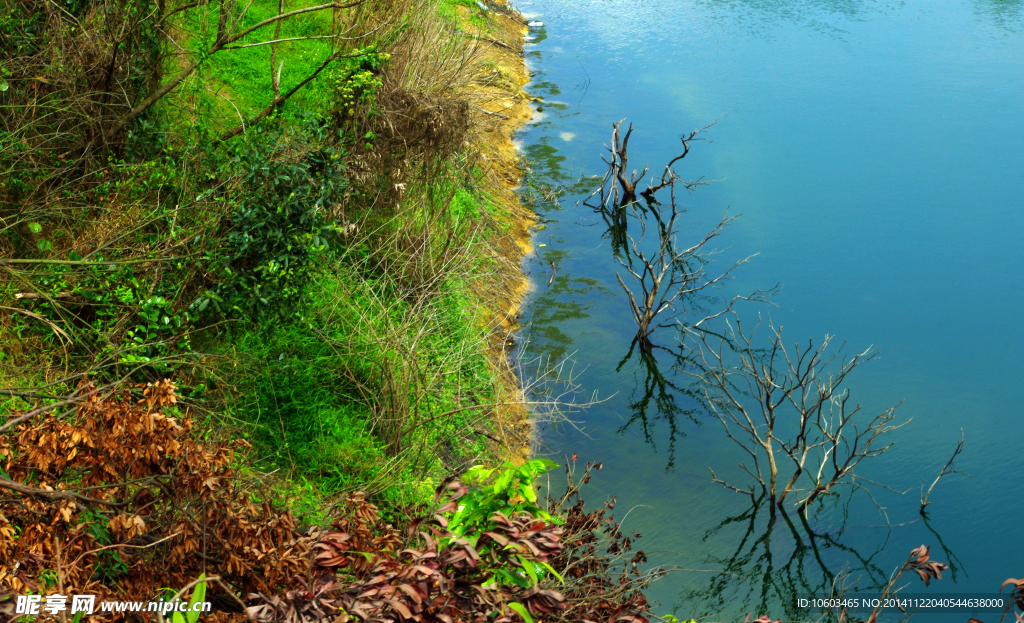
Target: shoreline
(501, 107)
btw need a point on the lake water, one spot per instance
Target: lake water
(875, 153)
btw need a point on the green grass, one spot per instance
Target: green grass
(290, 385)
(238, 82)
(308, 420)
(476, 18)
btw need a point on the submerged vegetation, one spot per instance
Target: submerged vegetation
(788, 409)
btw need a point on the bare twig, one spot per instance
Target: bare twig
(946, 469)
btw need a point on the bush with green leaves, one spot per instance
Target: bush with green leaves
(493, 492)
(289, 179)
(357, 79)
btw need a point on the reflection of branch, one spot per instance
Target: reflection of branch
(950, 556)
(658, 392)
(774, 566)
(669, 273)
(946, 469)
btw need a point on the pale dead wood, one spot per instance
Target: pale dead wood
(791, 407)
(669, 273)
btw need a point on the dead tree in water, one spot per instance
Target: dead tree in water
(789, 412)
(668, 273)
(612, 205)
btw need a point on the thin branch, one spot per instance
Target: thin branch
(946, 469)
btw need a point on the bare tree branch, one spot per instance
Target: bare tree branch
(946, 469)
(669, 273)
(227, 34)
(781, 404)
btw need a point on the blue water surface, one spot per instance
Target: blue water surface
(875, 152)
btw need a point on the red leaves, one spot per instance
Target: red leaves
(330, 550)
(1017, 594)
(300, 605)
(925, 568)
(601, 584)
(920, 554)
(526, 534)
(420, 580)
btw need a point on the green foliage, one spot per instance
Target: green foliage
(304, 407)
(198, 596)
(301, 418)
(110, 566)
(357, 79)
(239, 82)
(463, 205)
(522, 611)
(475, 17)
(159, 330)
(48, 578)
(288, 179)
(239, 230)
(508, 490)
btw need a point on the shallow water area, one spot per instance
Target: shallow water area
(875, 152)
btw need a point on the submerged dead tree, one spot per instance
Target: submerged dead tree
(790, 412)
(664, 272)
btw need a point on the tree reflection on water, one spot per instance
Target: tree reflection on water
(780, 557)
(658, 397)
(777, 558)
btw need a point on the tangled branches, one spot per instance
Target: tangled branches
(604, 578)
(670, 272)
(125, 498)
(771, 392)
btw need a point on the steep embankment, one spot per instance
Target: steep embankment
(502, 108)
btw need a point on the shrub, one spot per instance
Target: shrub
(288, 179)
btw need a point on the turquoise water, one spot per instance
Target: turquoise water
(875, 153)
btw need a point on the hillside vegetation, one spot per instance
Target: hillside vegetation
(259, 263)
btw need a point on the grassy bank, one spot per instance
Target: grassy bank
(259, 266)
(297, 232)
